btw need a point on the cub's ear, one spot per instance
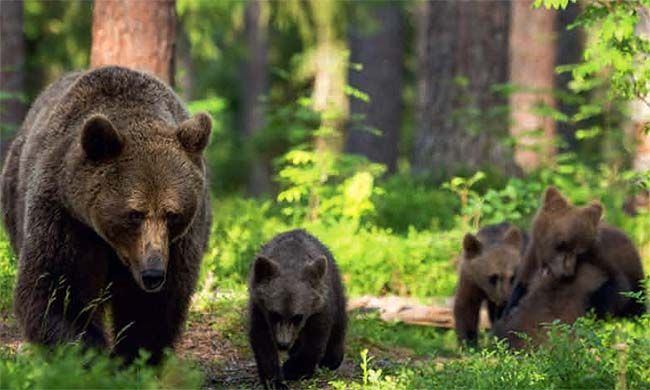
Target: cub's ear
(513, 237)
(194, 133)
(264, 270)
(472, 246)
(554, 200)
(315, 269)
(593, 212)
(99, 139)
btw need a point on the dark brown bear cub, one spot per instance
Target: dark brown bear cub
(296, 304)
(564, 236)
(105, 200)
(487, 270)
(549, 299)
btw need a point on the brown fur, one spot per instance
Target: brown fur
(563, 236)
(102, 195)
(297, 303)
(550, 299)
(487, 270)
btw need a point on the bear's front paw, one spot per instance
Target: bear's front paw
(293, 370)
(276, 384)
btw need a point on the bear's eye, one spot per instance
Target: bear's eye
(135, 217)
(297, 319)
(274, 316)
(173, 219)
(493, 279)
(562, 246)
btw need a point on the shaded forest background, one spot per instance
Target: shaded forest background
(427, 89)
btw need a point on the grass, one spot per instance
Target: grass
(373, 260)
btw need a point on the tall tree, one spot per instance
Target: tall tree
(12, 62)
(137, 34)
(640, 108)
(532, 72)
(569, 48)
(462, 52)
(376, 42)
(329, 67)
(255, 85)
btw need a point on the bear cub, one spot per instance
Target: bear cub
(564, 236)
(549, 299)
(487, 270)
(296, 304)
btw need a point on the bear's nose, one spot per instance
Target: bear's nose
(282, 346)
(153, 278)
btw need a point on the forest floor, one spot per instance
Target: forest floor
(215, 341)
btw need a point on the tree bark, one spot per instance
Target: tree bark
(255, 85)
(377, 44)
(532, 71)
(135, 34)
(330, 66)
(184, 69)
(569, 46)
(640, 110)
(12, 63)
(462, 52)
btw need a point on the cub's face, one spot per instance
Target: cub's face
(146, 194)
(288, 297)
(493, 267)
(562, 232)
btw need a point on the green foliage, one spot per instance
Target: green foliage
(587, 354)
(227, 165)
(7, 272)
(407, 202)
(372, 260)
(616, 47)
(57, 37)
(68, 367)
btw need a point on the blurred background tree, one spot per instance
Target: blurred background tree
(427, 89)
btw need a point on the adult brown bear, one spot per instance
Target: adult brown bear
(105, 200)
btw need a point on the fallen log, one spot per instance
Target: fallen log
(412, 311)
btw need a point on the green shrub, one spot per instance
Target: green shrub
(372, 260)
(589, 354)
(68, 367)
(407, 202)
(7, 272)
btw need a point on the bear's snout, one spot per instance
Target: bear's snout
(153, 279)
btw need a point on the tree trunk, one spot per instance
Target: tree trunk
(569, 46)
(640, 109)
(462, 52)
(135, 34)
(184, 69)
(12, 62)
(330, 65)
(532, 72)
(255, 85)
(377, 45)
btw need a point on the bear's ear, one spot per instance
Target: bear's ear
(194, 133)
(264, 269)
(99, 139)
(554, 200)
(513, 237)
(315, 269)
(472, 246)
(593, 212)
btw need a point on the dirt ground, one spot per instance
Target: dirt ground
(215, 341)
(224, 362)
